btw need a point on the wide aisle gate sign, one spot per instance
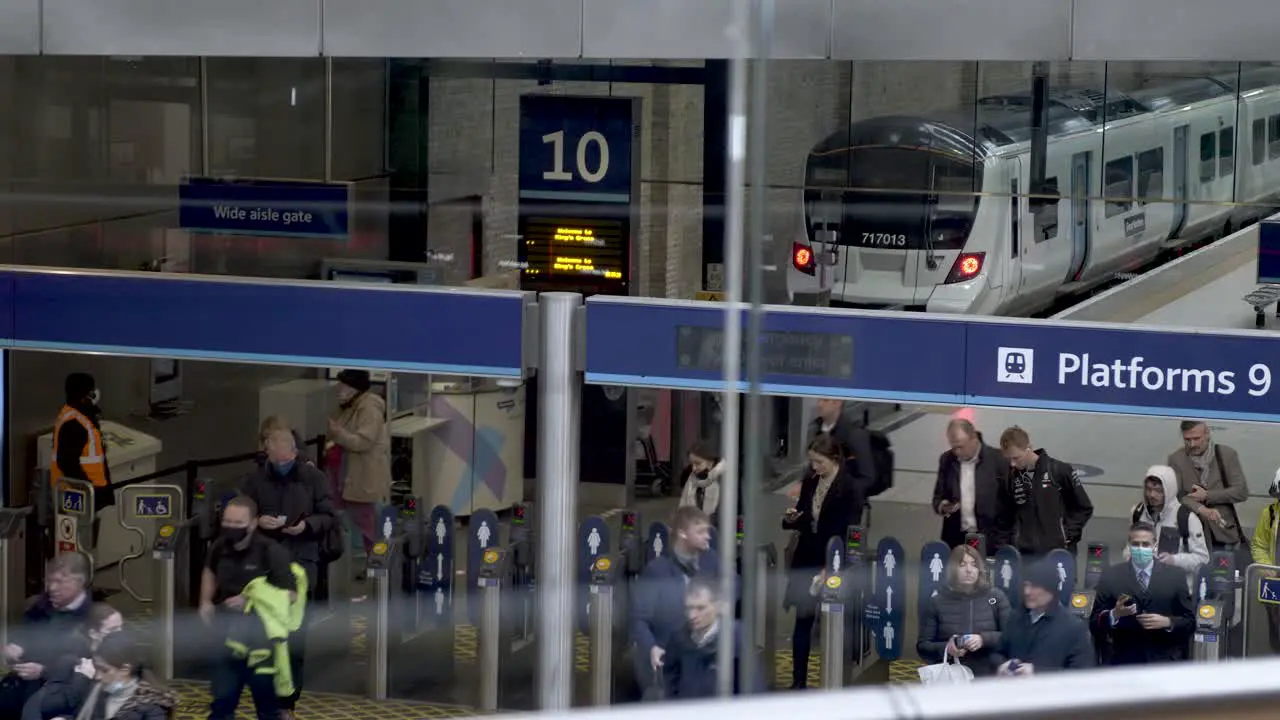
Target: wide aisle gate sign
(945, 359)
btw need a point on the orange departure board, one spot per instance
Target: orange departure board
(580, 254)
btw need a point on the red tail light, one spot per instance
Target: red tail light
(802, 258)
(966, 267)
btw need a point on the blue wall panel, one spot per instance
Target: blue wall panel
(307, 323)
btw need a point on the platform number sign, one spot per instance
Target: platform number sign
(587, 142)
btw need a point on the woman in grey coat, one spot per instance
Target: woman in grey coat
(966, 617)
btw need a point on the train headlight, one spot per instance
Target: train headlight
(802, 258)
(966, 267)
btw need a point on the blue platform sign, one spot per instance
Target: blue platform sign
(316, 324)
(1064, 564)
(1007, 573)
(657, 541)
(593, 543)
(933, 574)
(483, 532)
(577, 148)
(435, 573)
(1039, 364)
(286, 208)
(891, 598)
(1269, 252)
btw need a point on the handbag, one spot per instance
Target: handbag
(947, 672)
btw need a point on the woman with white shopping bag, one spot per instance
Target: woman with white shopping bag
(963, 622)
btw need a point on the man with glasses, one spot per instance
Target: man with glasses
(49, 629)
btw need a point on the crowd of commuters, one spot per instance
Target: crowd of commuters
(68, 658)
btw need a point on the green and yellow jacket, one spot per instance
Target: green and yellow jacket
(265, 643)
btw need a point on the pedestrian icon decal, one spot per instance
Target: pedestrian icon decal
(1204, 589)
(889, 632)
(483, 533)
(593, 541)
(1006, 574)
(936, 567)
(657, 545)
(889, 564)
(1062, 576)
(387, 528)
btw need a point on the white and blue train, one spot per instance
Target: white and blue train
(891, 204)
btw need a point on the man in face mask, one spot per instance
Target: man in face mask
(79, 451)
(1143, 605)
(295, 508)
(239, 556)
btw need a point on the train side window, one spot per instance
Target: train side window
(1118, 184)
(1208, 156)
(1226, 151)
(1044, 209)
(1273, 137)
(1258, 148)
(1150, 175)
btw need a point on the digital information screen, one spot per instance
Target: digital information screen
(573, 253)
(781, 353)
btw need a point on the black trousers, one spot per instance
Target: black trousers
(230, 676)
(801, 648)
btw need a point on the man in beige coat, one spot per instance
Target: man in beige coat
(359, 430)
(1210, 483)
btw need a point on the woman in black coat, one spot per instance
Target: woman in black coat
(829, 503)
(967, 617)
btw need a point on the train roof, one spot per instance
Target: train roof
(997, 121)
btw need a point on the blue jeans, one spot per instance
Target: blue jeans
(230, 676)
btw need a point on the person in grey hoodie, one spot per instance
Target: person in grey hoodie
(1161, 508)
(967, 617)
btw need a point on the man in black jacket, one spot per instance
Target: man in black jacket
(1044, 637)
(1143, 606)
(295, 508)
(50, 627)
(969, 492)
(1045, 500)
(853, 439)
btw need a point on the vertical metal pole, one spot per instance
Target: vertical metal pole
(204, 117)
(752, 486)
(832, 649)
(5, 566)
(328, 119)
(378, 640)
(164, 595)
(735, 196)
(601, 645)
(559, 406)
(490, 630)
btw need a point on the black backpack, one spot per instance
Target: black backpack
(1184, 520)
(882, 455)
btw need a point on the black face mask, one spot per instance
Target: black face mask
(702, 474)
(235, 536)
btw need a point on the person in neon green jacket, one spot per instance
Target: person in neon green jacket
(265, 644)
(1263, 548)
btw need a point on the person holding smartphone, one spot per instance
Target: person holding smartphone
(830, 501)
(295, 508)
(1142, 606)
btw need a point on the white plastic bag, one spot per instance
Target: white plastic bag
(947, 672)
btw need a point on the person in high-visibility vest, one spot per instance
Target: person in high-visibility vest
(78, 448)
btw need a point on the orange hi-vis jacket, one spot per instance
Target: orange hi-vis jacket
(93, 457)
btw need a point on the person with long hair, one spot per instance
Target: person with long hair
(71, 678)
(966, 619)
(829, 502)
(125, 689)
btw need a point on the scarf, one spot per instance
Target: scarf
(820, 496)
(710, 487)
(1202, 463)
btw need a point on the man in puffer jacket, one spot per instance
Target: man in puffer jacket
(1161, 508)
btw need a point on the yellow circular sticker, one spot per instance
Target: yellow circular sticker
(166, 531)
(380, 548)
(603, 564)
(1207, 612)
(1079, 601)
(490, 557)
(833, 582)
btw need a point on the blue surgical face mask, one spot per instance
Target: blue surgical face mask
(1141, 556)
(283, 468)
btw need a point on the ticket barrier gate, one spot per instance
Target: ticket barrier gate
(1259, 634)
(1206, 642)
(601, 630)
(522, 593)
(13, 523)
(164, 549)
(832, 596)
(157, 514)
(494, 639)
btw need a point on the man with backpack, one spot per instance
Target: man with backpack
(1161, 509)
(868, 453)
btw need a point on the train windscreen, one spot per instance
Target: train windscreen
(895, 198)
